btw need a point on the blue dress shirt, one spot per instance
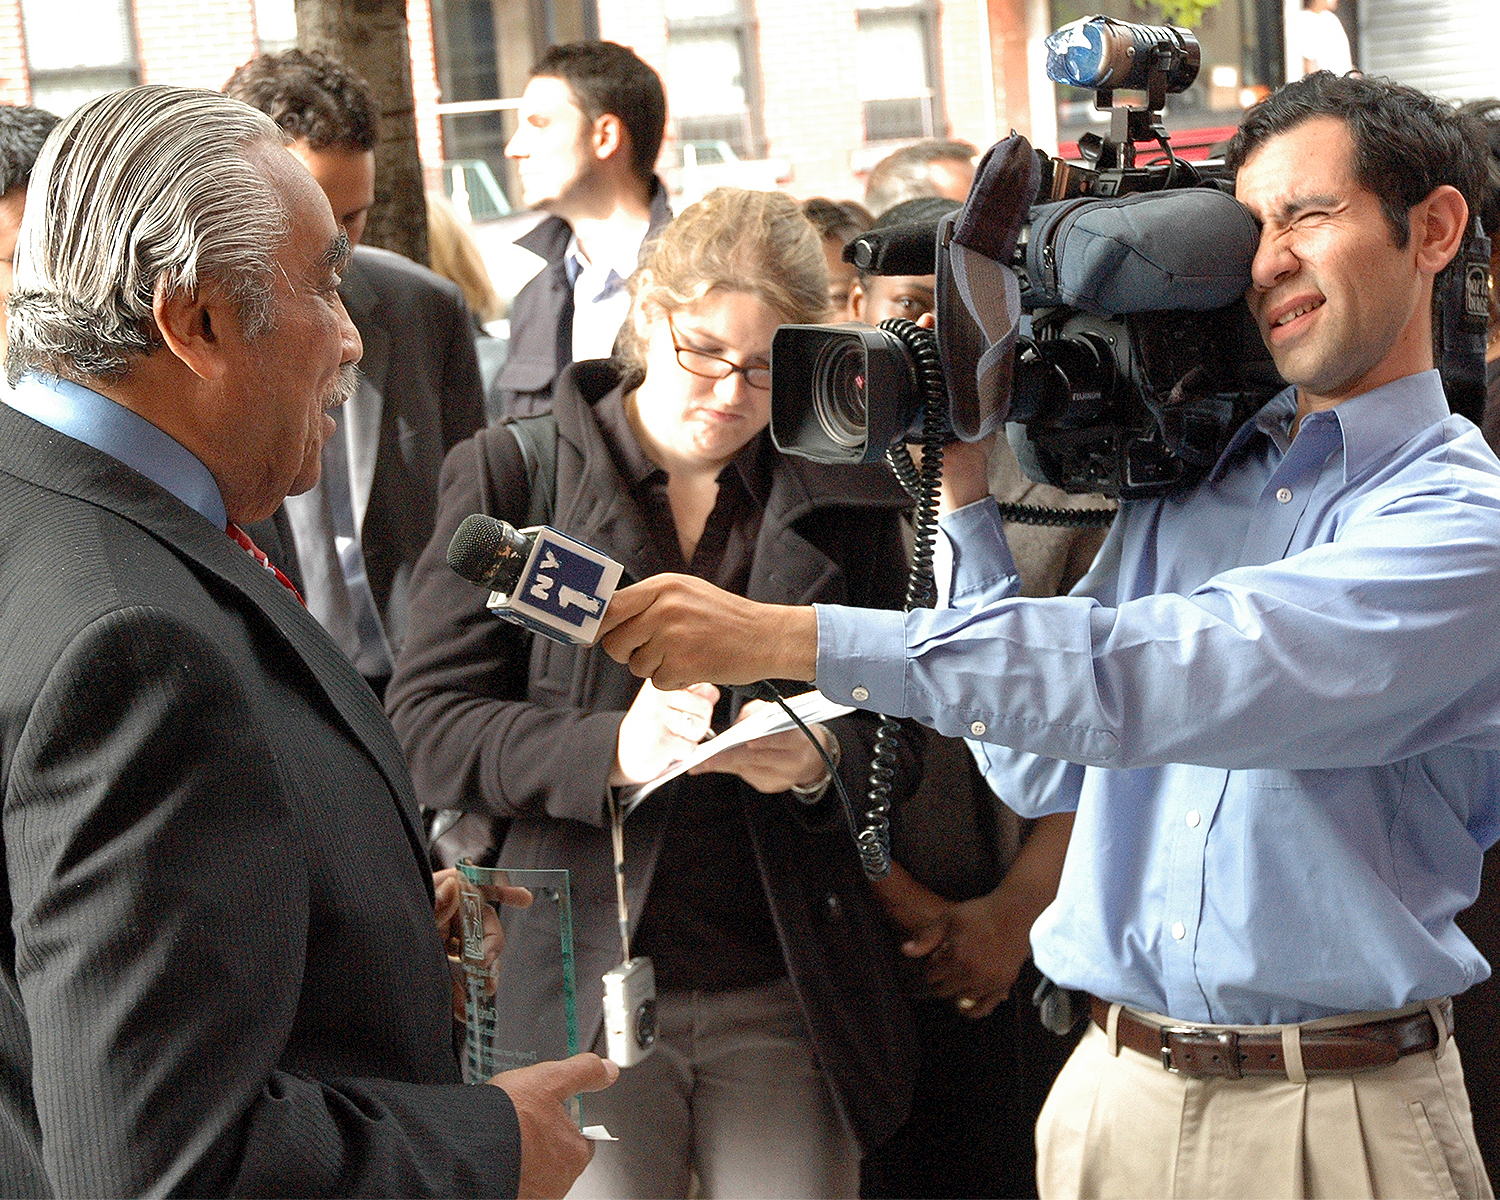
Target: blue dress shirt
(1274, 704)
(98, 421)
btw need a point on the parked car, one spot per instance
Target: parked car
(697, 167)
(480, 201)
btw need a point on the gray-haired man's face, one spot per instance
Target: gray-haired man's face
(280, 385)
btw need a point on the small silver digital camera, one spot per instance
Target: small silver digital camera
(630, 1011)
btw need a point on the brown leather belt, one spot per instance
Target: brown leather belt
(1231, 1054)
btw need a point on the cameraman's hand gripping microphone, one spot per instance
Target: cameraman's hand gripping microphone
(540, 578)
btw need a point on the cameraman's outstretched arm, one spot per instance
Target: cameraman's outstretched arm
(678, 630)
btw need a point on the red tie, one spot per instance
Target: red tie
(259, 555)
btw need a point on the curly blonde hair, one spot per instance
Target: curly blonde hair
(731, 240)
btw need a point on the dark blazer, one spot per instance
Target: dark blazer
(827, 534)
(541, 326)
(219, 970)
(419, 395)
(541, 316)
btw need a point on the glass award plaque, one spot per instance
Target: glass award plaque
(497, 1037)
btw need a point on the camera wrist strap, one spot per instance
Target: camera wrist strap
(617, 841)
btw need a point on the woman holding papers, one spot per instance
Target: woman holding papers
(784, 1045)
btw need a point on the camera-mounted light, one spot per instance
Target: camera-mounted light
(1103, 54)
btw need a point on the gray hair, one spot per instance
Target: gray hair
(143, 190)
(906, 174)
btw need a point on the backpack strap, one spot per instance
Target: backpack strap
(537, 439)
(455, 836)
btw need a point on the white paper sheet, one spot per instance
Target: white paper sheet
(812, 707)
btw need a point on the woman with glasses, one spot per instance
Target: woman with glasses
(783, 1045)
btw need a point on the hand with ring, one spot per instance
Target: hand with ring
(969, 958)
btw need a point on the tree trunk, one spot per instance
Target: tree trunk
(370, 37)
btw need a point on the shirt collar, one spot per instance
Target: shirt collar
(622, 258)
(613, 263)
(1371, 425)
(1375, 423)
(110, 427)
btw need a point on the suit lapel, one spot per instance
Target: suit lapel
(51, 460)
(364, 412)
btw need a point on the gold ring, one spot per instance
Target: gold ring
(965, 1003)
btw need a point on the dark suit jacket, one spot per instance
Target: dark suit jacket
(219, 971)
(419, 395)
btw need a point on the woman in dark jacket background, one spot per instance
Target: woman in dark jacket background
(784, 1045)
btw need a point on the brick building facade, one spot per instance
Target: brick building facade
(800, 64)
(189, 43)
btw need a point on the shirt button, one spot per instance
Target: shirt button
(1179, 930)
(978, 728)
(1193, 818)
(860, 693)
(1284, 495)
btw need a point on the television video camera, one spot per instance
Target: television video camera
(1095, 308)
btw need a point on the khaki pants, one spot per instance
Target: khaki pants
(1119, 1125)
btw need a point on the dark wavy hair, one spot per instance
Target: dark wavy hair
(310, 95)
(23, 129)
(1406, 143)
(605, 77)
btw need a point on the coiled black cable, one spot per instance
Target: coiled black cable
(873, 839)
(1070, 518)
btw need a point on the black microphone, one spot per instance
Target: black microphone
(906, 249)
(488, 552)
(539, 578)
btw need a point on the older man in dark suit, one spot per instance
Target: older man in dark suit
(220, 972)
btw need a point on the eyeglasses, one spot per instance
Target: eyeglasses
(711, 366)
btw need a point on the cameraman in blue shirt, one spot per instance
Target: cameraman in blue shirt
(1274, 704)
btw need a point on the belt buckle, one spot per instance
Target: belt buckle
(1168, 1032)
(1226, 1041)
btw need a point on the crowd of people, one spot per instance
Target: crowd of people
(1218, 781)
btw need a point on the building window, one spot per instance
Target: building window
(275, 25)
(77, 51)
(712, 89)
(474, 66)
(897, 58)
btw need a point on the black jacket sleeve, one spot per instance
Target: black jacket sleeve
(459, 697)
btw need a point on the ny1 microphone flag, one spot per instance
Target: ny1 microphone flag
(564, 589)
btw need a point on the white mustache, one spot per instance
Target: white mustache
(343, 391)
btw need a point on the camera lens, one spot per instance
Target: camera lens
(841, 392)
(645, 1024)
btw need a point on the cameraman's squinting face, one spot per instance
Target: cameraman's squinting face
(1340, 306)
(876, 297)
(688, 419)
